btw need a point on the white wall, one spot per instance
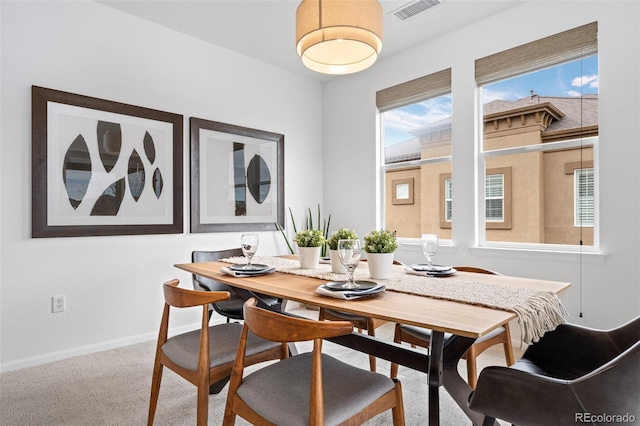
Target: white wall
(609, 286)
(113, 284)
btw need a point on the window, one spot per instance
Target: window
(416, 150)
(584, 196)
(448, 200)
(497, 199)
(540, 121)
(494, 198)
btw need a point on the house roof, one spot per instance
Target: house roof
(575, 113)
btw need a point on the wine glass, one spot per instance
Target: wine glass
(429, 243)
(349, 252)
(249, 245)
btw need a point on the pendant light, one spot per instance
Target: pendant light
(339, 36)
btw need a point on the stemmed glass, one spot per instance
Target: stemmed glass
(429, 243)
(349, 252)
(249, 245)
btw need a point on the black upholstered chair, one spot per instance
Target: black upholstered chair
(231, 308)
(570, 374)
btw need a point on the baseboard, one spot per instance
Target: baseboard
(90, 349)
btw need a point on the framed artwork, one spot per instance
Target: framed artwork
(237, 178)
(104, 168)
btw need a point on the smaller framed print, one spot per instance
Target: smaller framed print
(237, 178)
(104, 168)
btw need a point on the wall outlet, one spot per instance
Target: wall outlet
(58, 304)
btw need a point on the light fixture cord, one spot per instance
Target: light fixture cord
(582, 168)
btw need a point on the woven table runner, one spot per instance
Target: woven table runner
(537, 311)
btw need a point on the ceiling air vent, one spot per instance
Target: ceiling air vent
(413, 8)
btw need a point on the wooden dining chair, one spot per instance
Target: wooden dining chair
(311, 388)
(418, 336)
(203, 356)
(359, 322)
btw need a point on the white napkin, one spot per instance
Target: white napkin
(229, 271)
(349, 294)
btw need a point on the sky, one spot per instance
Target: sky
(575, 78)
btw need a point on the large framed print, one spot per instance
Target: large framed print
(237, 178)
(104, 168)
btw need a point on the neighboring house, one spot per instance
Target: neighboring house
(530, 196)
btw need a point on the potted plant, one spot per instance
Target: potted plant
(310, 242)
(332, 242)
(380, 246)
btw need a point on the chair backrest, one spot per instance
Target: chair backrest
(626, 335)
(279, 327)
(475, 269)
(184, 298)
(202, 283)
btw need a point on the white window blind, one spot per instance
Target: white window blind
(584, 197)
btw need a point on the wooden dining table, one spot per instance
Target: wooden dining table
(466, 322)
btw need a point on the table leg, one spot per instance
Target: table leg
(436, 347)
(452, 382)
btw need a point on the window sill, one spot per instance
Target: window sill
(590, 256)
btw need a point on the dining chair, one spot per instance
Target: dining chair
(311, 388)
(573, 374)
(231, 308)
(418, 336)
(359, 322)
(205, 355)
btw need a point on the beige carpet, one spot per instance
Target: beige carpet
(112, 388)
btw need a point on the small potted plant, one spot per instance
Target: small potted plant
(380, 246)
(332, 242)
(310, 242)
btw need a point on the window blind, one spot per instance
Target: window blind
(555, 49)
(427, 87)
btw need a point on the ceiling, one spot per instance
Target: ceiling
(265, 29)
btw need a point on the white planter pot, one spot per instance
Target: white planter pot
(380, 265)
(336, 266)
(309, 257)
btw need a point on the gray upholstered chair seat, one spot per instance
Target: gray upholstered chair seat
(265, 389)
(223, 343)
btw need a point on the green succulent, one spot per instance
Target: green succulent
(381, 241)
(341, 234)
(309, 238)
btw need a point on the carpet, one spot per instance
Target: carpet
(112, 388)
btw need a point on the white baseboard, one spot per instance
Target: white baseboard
(90, 349)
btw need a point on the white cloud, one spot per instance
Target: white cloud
(489, 95)
(574, 93)
(585, 80)
(418, 115)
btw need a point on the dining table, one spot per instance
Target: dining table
(466, 322)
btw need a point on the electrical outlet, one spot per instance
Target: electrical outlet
(58, 304)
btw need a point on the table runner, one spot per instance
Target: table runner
(537, 311)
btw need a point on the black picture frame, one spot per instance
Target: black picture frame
(104, 168)
(237, 178)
